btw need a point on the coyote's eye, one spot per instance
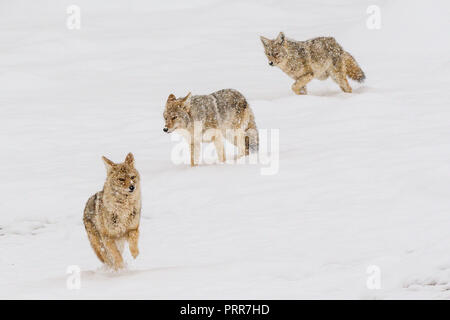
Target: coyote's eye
(132, 178)
(122, 179)
(173, 118)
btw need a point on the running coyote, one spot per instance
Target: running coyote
(318, 58)
(112, 215)
(224, 113)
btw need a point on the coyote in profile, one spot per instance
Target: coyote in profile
(318, 58)
(222, 114)
(111, 216)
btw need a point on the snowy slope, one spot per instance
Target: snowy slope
(363, 178)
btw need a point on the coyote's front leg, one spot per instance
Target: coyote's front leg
(192, 154)
(299, 86)
(113, 253)
(133, 237)
(195, 151)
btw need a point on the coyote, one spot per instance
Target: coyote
(318, 58)
(111, 216)
(224, 113)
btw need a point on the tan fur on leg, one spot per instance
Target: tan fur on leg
(299, 86)
(339, 75)
(218, 143)
(115, 258)
(192, 148)
(341, 80)
(195, 153)
(96, 243)
(133, 237)
(241, 143)
(237, 138)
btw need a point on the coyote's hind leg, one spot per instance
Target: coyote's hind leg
(341, 80)
(218, 143)
(95, 240)
(339, 76)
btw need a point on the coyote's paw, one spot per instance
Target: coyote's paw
(347, 90)
(117, 265)
(134, 252)
(300, 91)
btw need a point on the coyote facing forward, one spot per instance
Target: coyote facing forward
(112, 215)
(318, 58)
(222, 114)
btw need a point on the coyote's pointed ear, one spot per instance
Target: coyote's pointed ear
(186, 98)
(129, 160)
(186, 102)
(264, 41)
(280, 38)
(171, 98)
(108, 163)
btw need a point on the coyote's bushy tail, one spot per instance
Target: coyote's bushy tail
(353, 70)
(251, 134)
(251, 140)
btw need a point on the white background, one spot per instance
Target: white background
(364, 178)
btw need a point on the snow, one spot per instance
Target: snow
(363, 178)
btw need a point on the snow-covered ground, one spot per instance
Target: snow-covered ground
(363, 180)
